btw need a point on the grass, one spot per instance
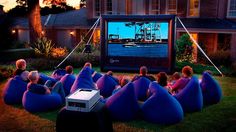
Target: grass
(219, 117)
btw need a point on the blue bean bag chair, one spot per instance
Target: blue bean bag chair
(161, 107)
(43, 78)
(83, 80)
(141, 86)
(33, 102)
(106, 84)
(13, 90)
(67, 81)
(123, 105)
(96, 76)
(211, 89)
(190, 97)
(58, 74)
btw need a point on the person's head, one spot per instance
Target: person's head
(176, 76)
(24, 75)
(69, 69)
(124, 81)
(162, 78)
(88, 64)
(187, 71)
(33, 76)
(208, 71)
(21, 64)
(110, 73)
(143, 70)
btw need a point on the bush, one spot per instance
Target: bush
(43, 47)
(6, 72)
(220, 57)
(59, 52)
(184, 49)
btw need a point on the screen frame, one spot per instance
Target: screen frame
(105, 59)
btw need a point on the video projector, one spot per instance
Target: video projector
(82, 100)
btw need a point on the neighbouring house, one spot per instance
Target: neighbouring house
(211, 22)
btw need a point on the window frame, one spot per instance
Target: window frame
(167, 8)
(188, 9)
(151, 11)
(95, 12)
(228, 10)
(106, 7)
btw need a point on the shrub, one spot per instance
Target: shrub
(220, 57)
(43, 47)
(184, 49)
(59, 52)
(6, 72)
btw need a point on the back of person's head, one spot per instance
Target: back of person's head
(110, 73)
(69, 69)
(24, 75)
(176, 76)
(88, 64)
(187, 71)
(162, 78)
(33, 76)
(208, 71)
(21, 64)
(124, 81)
(143, 70)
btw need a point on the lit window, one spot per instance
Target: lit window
(232, 8)
(97, 8)
(172, 7)
(155, 7)
(194, 8)
(109, 6)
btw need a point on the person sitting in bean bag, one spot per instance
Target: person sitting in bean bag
(14, 88)
(143, 72)
(211, 90)
(162, 81)
(161, 107)
(123, 105)
(39, 97)
(58, 74)
(123, 81)
(83, 80)
(68, 79)
(20, 67)
(190, 97)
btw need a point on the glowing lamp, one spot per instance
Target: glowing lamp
(13, 31)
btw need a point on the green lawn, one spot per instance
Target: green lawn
(219, 117)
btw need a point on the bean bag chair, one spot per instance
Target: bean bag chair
(141, 86)
(123, 105)
(13, 90)
(106, 85)
(58, 74)
(43, 78)
(161, 107)
(190, 97)
(83, 80)
(96, 76)
(33, 102)
(67, 81)
(211, 89)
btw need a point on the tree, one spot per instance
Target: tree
(184, 48)
(35, 26)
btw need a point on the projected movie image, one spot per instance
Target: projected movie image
(138, 39)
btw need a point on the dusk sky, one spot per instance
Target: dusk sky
(128, 32)
(8, 4)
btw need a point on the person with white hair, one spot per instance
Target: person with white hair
(20, 67)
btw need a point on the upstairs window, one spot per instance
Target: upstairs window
(232, 8)
(109, 6)
(171, 6)
(193, 8)
(155, 7)
(97, 8)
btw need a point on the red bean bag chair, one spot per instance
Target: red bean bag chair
(123, 105)
(161, 107)
(106, 84)
(141, 86)
(190, 97)
(83, 80)
(67, 81)
(211, 89)
(13, 90)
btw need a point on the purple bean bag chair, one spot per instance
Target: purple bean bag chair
(96, 76)
(141, 86)
(58, 74)
(13, 90)
(33, 102)
(67, 81)
(123, 105)
(211, 89)
(190, 97)
(106, 84)
(83, 80)
(161, 107)
(43, 78)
